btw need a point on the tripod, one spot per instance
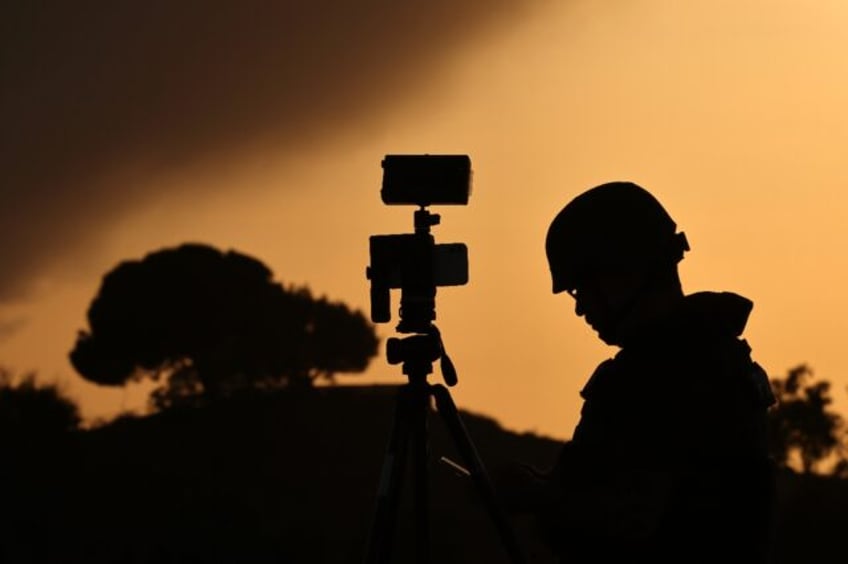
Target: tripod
(409, 435)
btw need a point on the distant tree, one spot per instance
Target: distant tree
(28, 408)
(209, 323)
(802, 424)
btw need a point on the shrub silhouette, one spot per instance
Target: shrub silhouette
(802, 424)
(210, 323)
(30, 409)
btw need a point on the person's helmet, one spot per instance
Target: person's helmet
(612, 228)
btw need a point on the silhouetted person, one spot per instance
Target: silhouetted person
(668, 462)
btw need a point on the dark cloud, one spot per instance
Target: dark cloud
(9, 327)
(89, 88)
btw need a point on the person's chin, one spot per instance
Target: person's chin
(609, 337)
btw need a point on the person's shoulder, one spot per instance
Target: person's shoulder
(713, 313)
(602, 379)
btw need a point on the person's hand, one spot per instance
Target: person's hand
(521, 487)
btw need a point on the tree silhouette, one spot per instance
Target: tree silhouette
(30, 409)
(801, 422)
(209, 323)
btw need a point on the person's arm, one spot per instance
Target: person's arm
(605, 496)
(524, 488)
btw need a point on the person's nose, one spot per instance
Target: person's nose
(579, 310)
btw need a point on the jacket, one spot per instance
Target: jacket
(669, 461)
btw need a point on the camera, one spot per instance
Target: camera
(407, 263)
(413, 262)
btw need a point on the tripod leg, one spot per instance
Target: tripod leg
(447, 409)
(380, 543)
(419, 410)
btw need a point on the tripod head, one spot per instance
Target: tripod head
(418, 352)
(413, 262)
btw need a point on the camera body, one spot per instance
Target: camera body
(413, 262)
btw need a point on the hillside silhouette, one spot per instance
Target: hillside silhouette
(265, 477)
(289, 476)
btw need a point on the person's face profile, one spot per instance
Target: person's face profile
(591, 303)
(599, 299)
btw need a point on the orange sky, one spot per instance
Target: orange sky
(733, 115)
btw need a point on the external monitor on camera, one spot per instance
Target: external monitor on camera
(425, 180)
